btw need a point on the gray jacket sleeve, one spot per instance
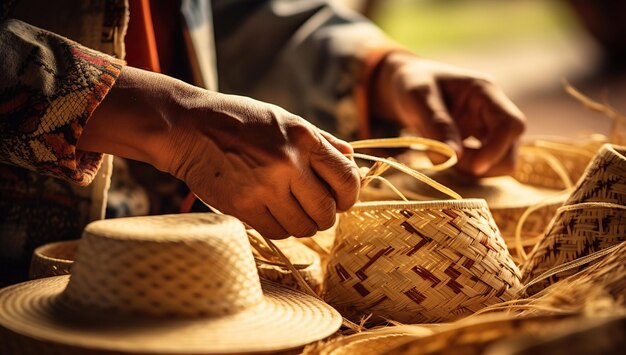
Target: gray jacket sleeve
(304, 55)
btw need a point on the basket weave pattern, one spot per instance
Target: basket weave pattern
(507, 219)
(533, 168)
(419, 262)
(164, 278)
(577, 232)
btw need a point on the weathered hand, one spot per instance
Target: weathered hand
(255, 161)
(450, 104)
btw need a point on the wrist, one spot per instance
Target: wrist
(382, 94)
(135, 120)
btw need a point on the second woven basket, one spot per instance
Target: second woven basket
(417, 262)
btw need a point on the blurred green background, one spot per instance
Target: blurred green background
(442, 24)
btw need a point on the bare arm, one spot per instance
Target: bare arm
(253, 160)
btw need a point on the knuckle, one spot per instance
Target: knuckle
(274, 232)
(516, 125)
(297, 130)
(306, 230)
(326, 213)
(351, 180)
(350, 190)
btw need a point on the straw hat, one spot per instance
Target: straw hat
(57, 258)
(53, 259)
(418, 261)
(593, 218)
(174, 284)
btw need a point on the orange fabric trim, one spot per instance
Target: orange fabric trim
(363, 87)
(141, 46)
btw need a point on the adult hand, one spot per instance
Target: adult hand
(450, 104)
(255, 161)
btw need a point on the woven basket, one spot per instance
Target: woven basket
(507, 198)
(593, 218)
(418, 261)
(555, 163)
(52, 259)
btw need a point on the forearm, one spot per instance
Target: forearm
(135, 120)
(247, 158)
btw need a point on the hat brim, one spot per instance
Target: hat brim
(286, 319)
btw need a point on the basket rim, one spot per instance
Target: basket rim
(469, 203)
(41, 250)
(618, 150)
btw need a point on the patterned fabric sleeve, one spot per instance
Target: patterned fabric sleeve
(49, 87)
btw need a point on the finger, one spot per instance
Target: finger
(503, 167)
(292, 217)
(506, 165)
(266, 224)
(341, 145)
(426, 107)
(316, 200)
(505, 124)
(340, 173)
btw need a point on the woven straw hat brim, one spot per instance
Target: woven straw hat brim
(30, 314)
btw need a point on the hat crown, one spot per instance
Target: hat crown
(193, 265)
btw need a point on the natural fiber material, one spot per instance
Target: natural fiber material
(480, 338)
(53, 259)
(418, 261)
(593, 218)
(555, 163)
(305, 260)
(576, 307)
(507, 198)
(175, 284)
(366, 343)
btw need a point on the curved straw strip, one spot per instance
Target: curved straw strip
(560, 170)
(519, 246)
(411, 172)
(593, 105)
(555, 162)
(572, 264)
(415, 143)
(552, 161)
(388, 184)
